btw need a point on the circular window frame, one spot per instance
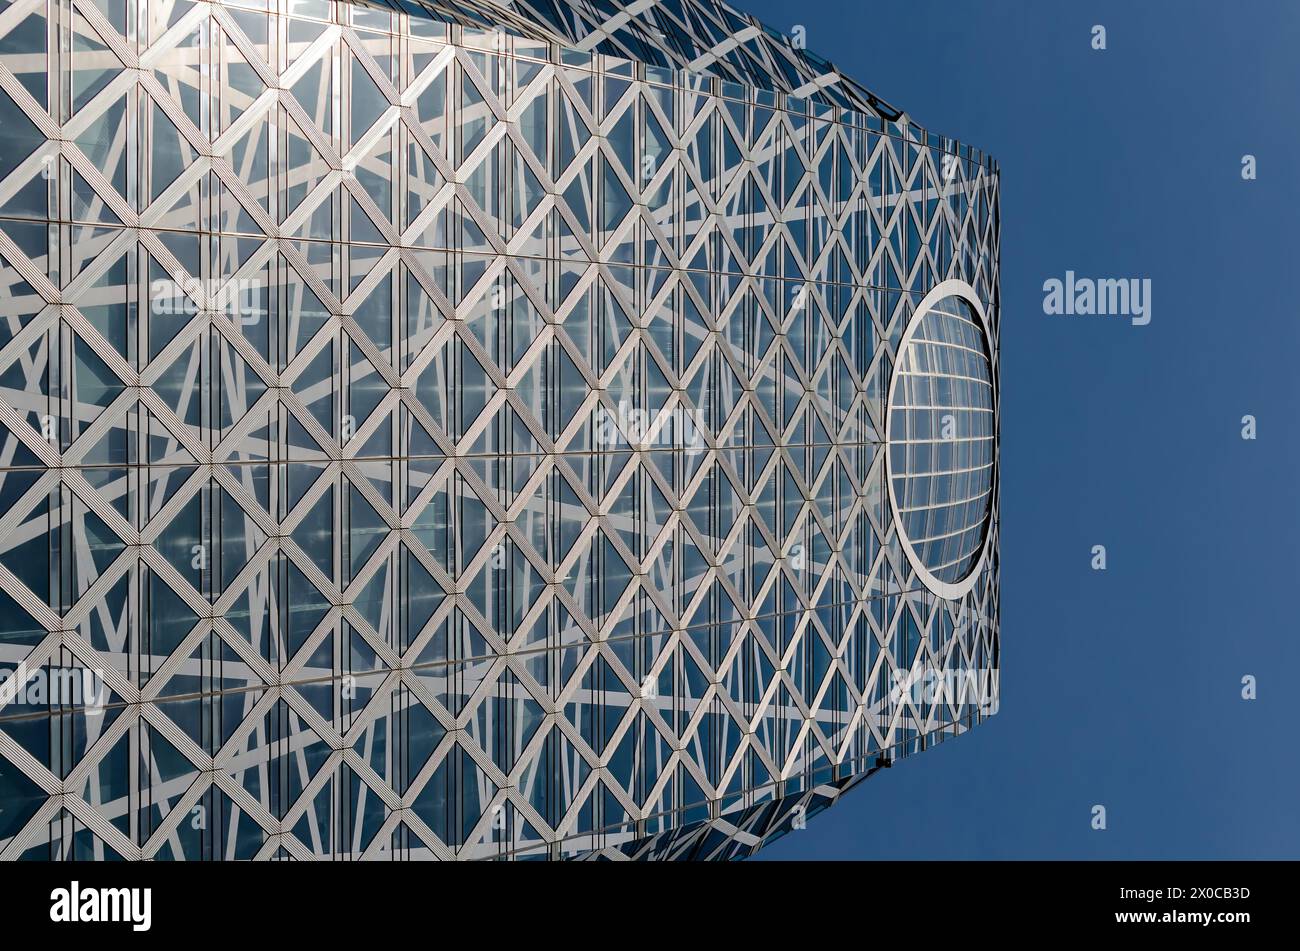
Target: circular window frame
(950, 590)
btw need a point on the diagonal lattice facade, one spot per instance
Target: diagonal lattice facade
(459, 430)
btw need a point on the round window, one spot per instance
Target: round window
(941, 438)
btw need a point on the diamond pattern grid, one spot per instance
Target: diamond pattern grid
(343, 353)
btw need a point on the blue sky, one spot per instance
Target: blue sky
(1122, 687)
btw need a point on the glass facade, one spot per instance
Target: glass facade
(942, 450)
(457, 430)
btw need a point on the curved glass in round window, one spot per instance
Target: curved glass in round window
(941, 438)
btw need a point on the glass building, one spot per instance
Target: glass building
(524, 428)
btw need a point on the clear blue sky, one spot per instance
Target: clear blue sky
(1119, 687)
